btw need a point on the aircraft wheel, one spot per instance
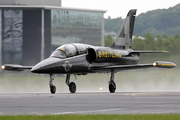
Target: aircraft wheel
(72, 87)
(112, 87)
(53, 89)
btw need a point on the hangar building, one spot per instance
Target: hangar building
(32, 29)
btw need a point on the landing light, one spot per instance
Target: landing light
(154, 64)
(100, 88)
(3, 67)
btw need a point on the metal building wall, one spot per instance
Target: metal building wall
(0, 37)
(33, 45)
(12, 32)
(31, 37)
(47, 33)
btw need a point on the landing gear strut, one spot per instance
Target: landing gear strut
(112, 84)
(72, 85)
(52, 87)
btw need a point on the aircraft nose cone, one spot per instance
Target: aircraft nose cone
(36, 69)
(45, 66)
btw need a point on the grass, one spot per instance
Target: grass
(95, 117)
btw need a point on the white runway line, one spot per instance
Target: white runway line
(91, 111)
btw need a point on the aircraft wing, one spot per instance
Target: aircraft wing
(147, 52)
(13, 67)
(116, 68)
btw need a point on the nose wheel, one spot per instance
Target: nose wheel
(71, 85)
(52, 87)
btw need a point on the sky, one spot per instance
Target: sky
(120, 8)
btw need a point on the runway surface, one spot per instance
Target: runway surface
(89, 103)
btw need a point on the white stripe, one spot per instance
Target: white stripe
(91, 111)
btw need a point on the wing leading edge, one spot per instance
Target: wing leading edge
(116, 68)
(13, 67)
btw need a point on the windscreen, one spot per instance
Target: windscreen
(59, 54)
(64, 51)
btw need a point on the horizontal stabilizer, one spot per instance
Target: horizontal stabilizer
(13, 67)
(147, 52)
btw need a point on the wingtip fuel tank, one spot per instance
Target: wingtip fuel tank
(164, 64)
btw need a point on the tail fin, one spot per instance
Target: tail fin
(124, 36)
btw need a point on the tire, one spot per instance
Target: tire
(53, 89)
(112, 87)
(72, 87)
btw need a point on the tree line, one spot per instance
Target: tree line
(150, 42)
(159, 42)
(155, 22)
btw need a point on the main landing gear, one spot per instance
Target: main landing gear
(71, 85)
(112, 84)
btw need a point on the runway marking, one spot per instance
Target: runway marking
(91, 111)
(115, 109)
(131, 94)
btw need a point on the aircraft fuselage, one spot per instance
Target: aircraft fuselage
(80, 63)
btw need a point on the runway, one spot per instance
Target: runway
(89, 103)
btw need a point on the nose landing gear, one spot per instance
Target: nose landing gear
(71, 85)
(52, 87)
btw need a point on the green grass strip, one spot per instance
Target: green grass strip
(94, 117)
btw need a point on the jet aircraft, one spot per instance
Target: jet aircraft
(82, 59)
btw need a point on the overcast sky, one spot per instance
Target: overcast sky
(119, 8)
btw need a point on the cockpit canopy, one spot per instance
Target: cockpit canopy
(69, 50)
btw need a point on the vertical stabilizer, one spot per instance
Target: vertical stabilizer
(124, 36)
